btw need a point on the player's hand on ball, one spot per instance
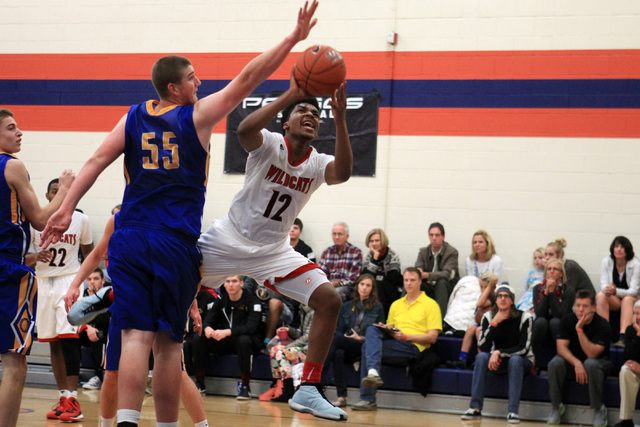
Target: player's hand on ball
(338, 102)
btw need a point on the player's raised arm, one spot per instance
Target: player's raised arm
(340, 169)
(213, 108)
(89, 265)
(107, 152)
(18, 178)
(249, 134)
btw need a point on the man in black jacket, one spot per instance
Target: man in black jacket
(231, 326)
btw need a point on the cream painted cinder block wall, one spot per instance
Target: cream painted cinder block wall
(525, 191)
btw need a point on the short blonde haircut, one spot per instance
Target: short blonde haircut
(384, 240)
(560, 264)
(491, 248)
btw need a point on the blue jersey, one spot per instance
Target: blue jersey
(165, 168)
(15, 233)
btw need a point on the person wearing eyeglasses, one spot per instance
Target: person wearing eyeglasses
(552, 299)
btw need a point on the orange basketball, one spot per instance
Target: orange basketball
(320, 70)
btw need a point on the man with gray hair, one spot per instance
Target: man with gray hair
(342, 262)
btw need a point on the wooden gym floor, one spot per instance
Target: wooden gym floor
(227, 411)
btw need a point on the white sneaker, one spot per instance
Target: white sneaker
(93, 384)
(310, 400)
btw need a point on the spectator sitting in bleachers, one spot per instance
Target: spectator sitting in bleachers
(383, 263)
(94, 334)
(462, 306)
(438, 264)
(483, 256)
(230, 327)
(297, 243)
(583, 353)
(619, 283)
(286, 354)
(205, 300)
(488, 282)
(630, 371)
(341, 262)
(552, 300)
(535, 276)
(504, 346)
(356, 316)
(277, 309)
(413, 325)
(577, 278)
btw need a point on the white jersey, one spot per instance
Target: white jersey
(65, 252)
(275, 191)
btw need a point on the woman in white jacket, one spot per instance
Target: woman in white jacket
(619, 282)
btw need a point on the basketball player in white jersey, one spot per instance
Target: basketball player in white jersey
(55, 268)
(253, 239)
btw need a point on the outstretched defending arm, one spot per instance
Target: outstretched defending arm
(107, 152)
(213, 108)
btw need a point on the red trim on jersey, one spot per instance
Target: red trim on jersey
(59, 337)
(289, 154)
(295, 273)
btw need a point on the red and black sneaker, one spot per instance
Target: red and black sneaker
(73, 412)
(57, 409)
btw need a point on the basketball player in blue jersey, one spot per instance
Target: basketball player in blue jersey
(153, 259)
(18, 207)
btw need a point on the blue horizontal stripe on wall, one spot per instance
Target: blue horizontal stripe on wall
(601, 93)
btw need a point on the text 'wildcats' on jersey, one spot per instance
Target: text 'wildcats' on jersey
(275, 191)
(165, 168)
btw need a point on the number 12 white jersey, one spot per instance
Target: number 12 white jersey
(275, 191)
(64, 253)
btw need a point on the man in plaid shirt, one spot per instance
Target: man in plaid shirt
(342, 262)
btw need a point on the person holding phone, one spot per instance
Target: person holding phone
(362, 311)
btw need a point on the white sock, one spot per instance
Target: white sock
(63, 393)
(73, 393)
(128, 415)
(203, 423)
(168, 424)
(373, 372)
(107, 422)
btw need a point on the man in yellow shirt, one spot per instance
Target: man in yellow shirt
(413, 325)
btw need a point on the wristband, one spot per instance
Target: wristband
(579, 330)
(638, 334)
(493, 324)
(361, 339)
(405, 337)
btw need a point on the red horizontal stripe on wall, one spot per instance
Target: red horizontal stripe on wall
(553, 122)
(74, 118)
(588, 123)
(543, 64)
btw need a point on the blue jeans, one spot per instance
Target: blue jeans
(379, 347)
(515, 366)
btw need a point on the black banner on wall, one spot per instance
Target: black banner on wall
(362, 122)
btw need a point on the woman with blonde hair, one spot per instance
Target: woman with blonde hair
(383, 263)
(577, 278)
(552, 299)
(483, 256)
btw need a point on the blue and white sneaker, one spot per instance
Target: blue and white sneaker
(88, 308)
(310, 399)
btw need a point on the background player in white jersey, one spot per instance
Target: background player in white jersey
(253, 239)
(55, 268)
